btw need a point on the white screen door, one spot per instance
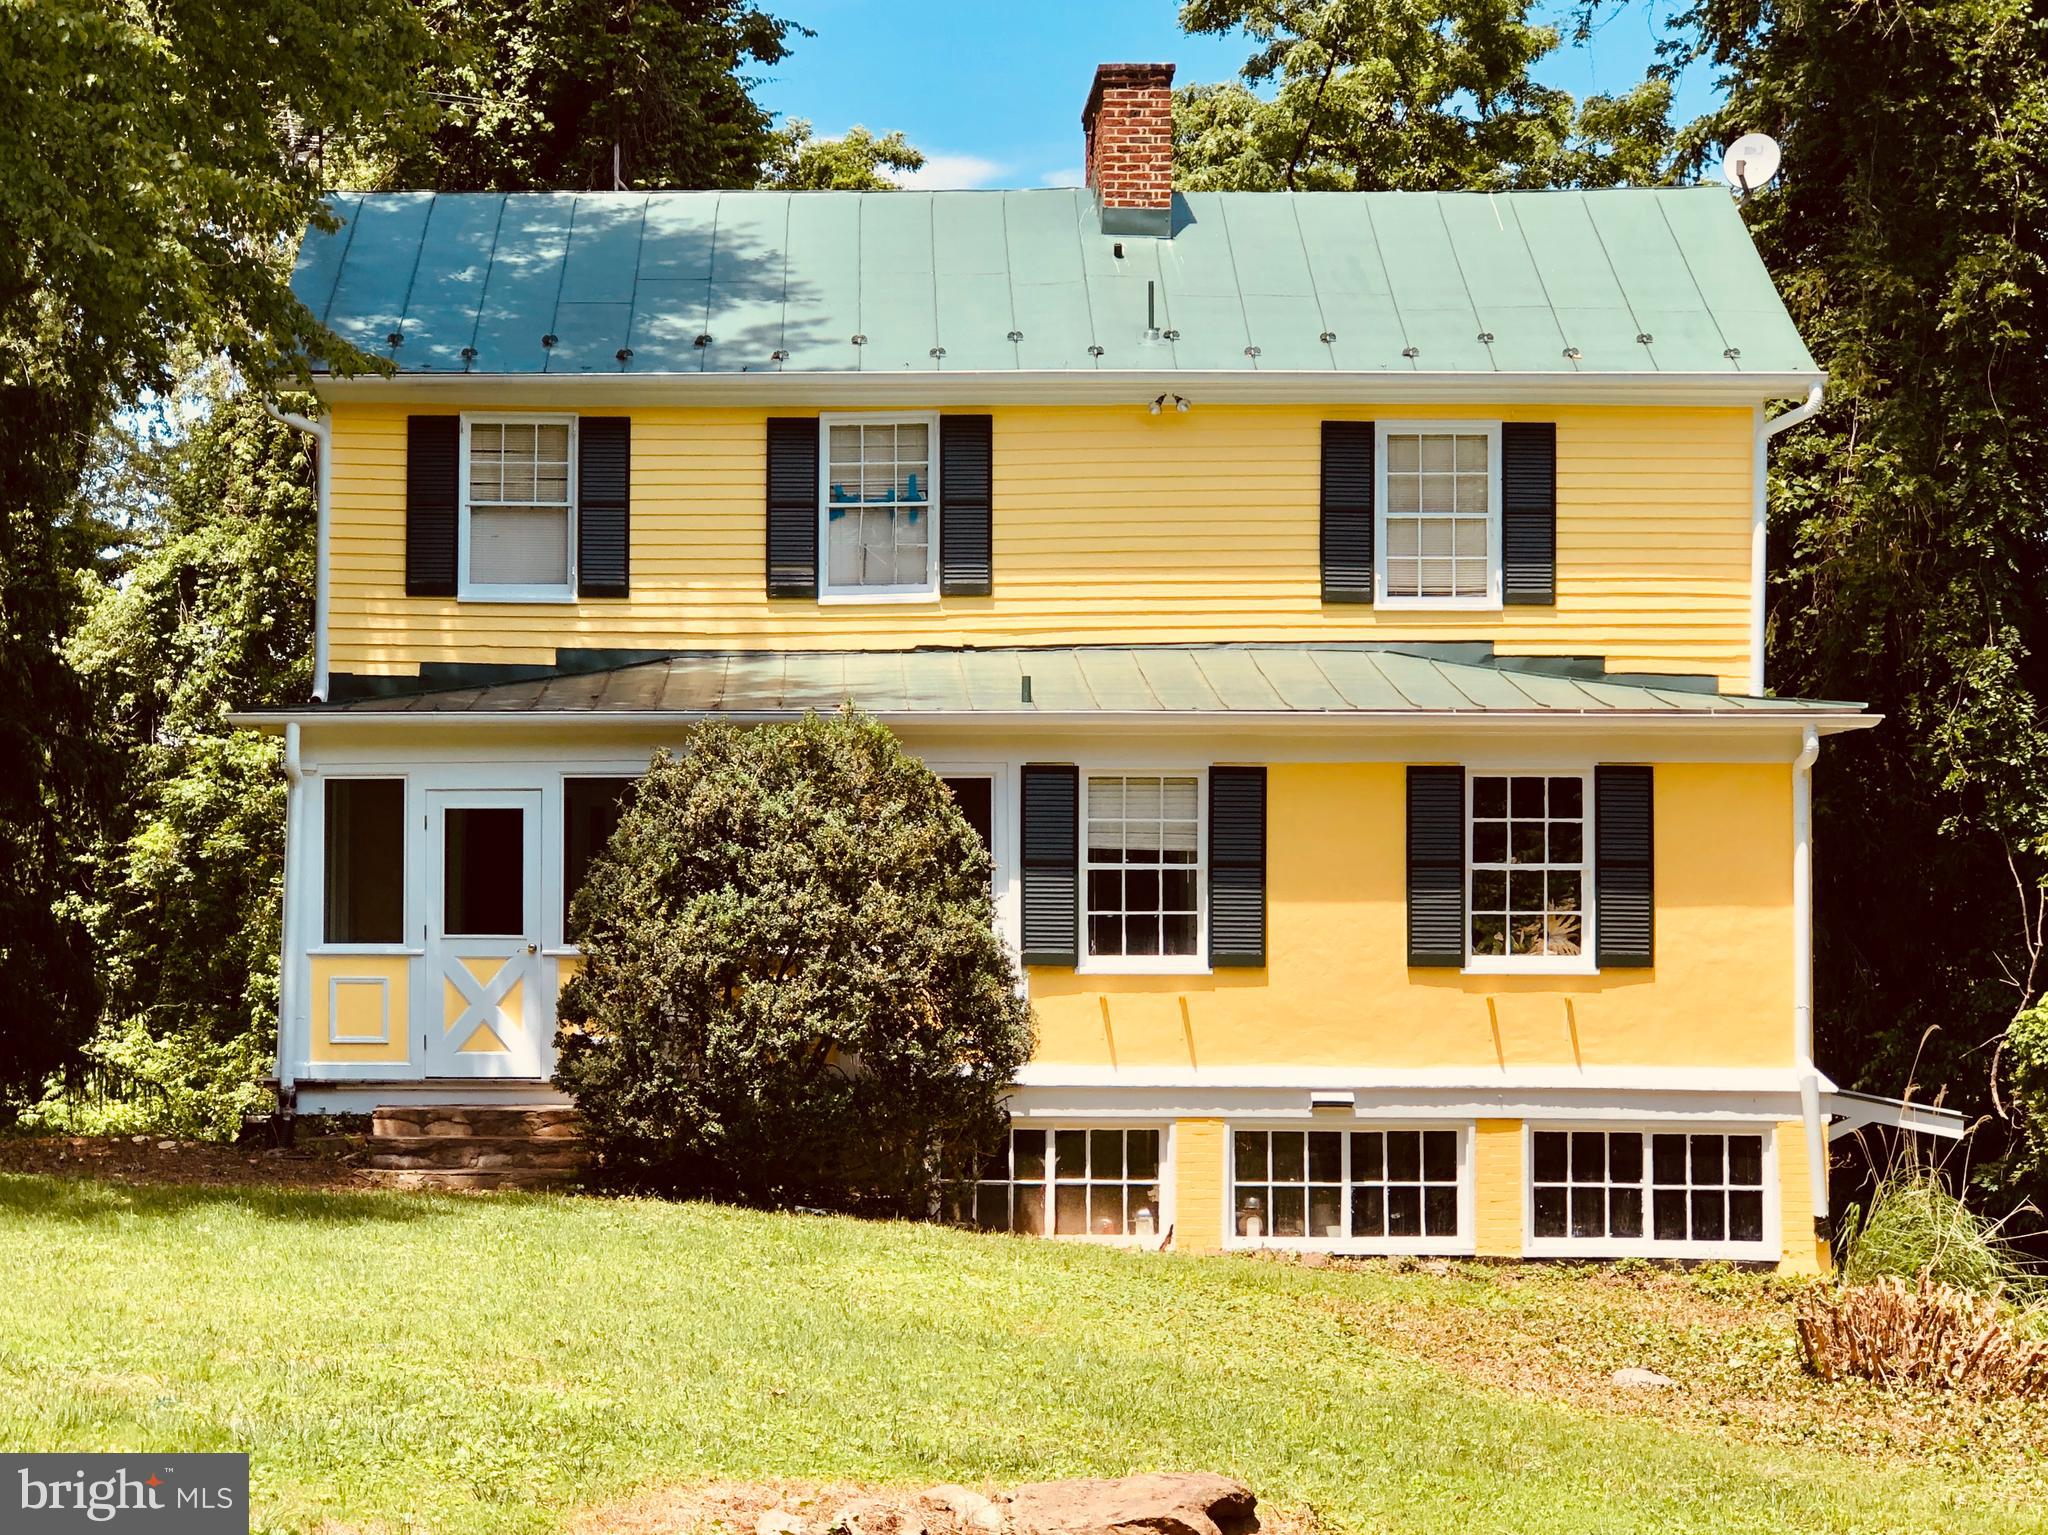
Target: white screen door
(484, 1010)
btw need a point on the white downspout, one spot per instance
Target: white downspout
(323, 435)
(1802, 971)
(288, 1008)
(1758, 480)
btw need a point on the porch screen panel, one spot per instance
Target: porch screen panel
(364, 898)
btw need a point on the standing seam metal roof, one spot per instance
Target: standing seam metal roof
(1653, 280)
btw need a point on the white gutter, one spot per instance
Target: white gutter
(1802, 972)
(1758, 481)
(322, 432)
(294, 896)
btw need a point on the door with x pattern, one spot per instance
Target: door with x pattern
(485, 1011)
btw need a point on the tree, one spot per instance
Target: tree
(1909, 234)
(1416, 95)
(792, 988)
(860, 162)
(149, 192)
(535, 95)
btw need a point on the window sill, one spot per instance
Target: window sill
(1438, 604)
(1142, 966)
(1528, 967)
(1639, 1247)
(363, 951)
(521, 594)
(1418, 1247)
(861, 599)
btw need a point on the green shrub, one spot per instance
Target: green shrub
(1915, 1226)
(792, 990)
(138, 1083)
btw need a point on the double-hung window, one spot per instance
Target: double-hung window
(878, 507)
(1143, 883)
(1438, 534)
(518, 535)
(1528, 876)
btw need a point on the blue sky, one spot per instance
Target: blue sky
(992, 92)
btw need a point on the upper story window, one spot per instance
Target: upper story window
(518, 500)
(879, 509)
(1527, 880)
(1144, 876)
(1438, 532)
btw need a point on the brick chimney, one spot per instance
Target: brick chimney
(1127, 128)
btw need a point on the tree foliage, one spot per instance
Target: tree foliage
(859, 162)
(1403, 95)
(148, 194)
(535, 95)
(1909, 234)
(792, 987)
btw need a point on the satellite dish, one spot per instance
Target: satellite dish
(1751, 163)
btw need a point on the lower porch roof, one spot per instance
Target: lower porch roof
(1079, 683)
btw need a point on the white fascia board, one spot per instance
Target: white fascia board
(1369, 1081)
(1856, 1110)
(1129, 386)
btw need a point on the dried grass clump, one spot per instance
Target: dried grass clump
(1929, 1334)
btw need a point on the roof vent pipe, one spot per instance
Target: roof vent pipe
(1151, 311)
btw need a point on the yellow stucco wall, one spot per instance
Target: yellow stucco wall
(1198, 1185)
(1337, 989)
(359, 994)
(1111, 525)
(1497, 1188)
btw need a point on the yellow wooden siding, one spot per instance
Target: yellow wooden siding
(1805, 1250)
(1198, 1184)
(1497, 1179)
(358, 995)
(1111, 525)
(1337, 989)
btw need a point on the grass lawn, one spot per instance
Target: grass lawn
(413, 1362)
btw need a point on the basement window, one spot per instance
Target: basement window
(1382, 1190)
(1675, 1193)
(518, 500)
(364, 898)
(1073, 1182)
(878, 508)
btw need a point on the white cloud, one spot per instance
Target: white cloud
(947, 173)
(1070, 176)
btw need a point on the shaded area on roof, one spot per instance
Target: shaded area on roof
(1649, 280)
(1163, 680)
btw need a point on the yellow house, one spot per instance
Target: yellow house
(1341, 615)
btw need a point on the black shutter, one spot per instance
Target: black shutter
(966, 495)
(433, 453)
(604, 479)
(792, 506)
(1052, 890)
(1237, 866)
(1528, 524)
(1348, 484)
(1436, 867)
(1624, 842)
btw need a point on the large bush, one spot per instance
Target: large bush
(792, 990)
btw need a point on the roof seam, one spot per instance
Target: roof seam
(484, 293)
(1408, 348)
(1471, 298)
(1613, 271)
(1692, 277)
(413, 277)
(561, 281)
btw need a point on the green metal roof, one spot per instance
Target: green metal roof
(1154, 680)
(1658, 280)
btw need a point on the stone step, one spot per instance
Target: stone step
(458, 1121)
(473, 1151)
(471, 1178)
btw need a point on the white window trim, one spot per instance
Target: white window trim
(465, 589)
(828, 594)
(1162, 1217)
(1463, 1244)
(1196, 963)
(1769, 1250)
(1587, 960)
(1491, 601)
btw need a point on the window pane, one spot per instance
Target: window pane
(1668, 1206)
(1624, 1159)
(1325, 1212)
(992, 1207)
(1709, 1216)
(483, 871)
(1489, 796)
(1070, 1209)
(1251, 1213)
(510, 547)
(1706, 1159)
(1550, 1212)
(1106, 1210)
(1589, 1212)
(1105, 1153)
(1325, 1156)
(1404, 1212)
(1746, 1216)
(1141, 1151)
(1440, 1212)
(1027, 1150)
(1366, 1156)
(1070, 1153)
(1668, 1159)
(1589, 1156)
(1251, 1156)
(1404, 1156)
(1031, 1209)
(1368, 1212)
(1746, 1160)
(1440, 1155)
(1288, 1161)
(1551, 1147)
(1288, 1216)
(591, 808)
(1625, 1212)
(365, 875)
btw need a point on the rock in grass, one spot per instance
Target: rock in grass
(1635, 1378)
(778, 1521)
(1179, 1503)
(970, 1508)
